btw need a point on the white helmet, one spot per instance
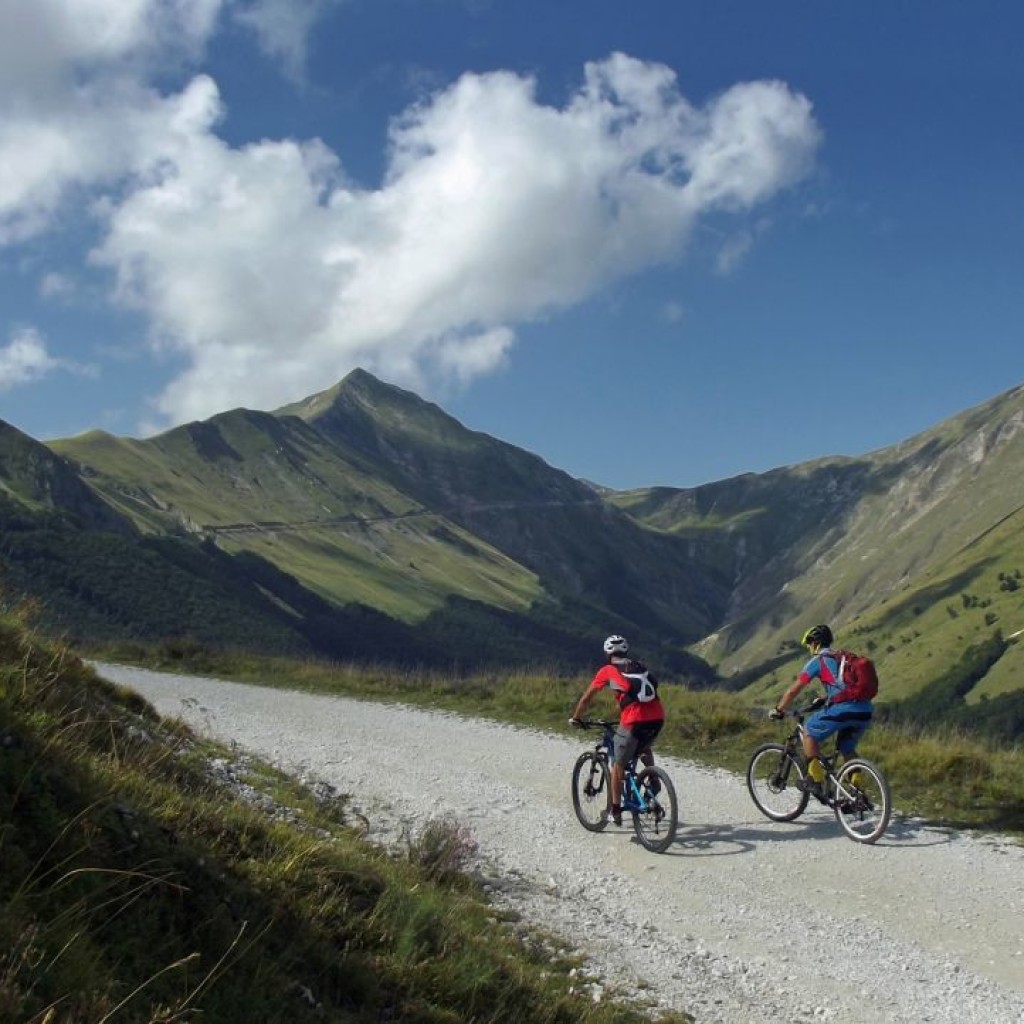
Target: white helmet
(616, 645)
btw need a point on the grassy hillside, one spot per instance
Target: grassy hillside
(915, 636)
(560, 529)
(38, 480)
(369, 497)
(256, 482)
(150, 877)
(912, 552)
(96, 585)
(367, 511)
(178, 594)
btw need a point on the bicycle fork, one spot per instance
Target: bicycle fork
(595, 783)
(780, 780)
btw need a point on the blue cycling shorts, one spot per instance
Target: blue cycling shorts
(848, 722)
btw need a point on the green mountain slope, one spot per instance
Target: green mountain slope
(273, 486)
(365, 518)
(867, 544)
(471, 549)
(95, 575)
(580, 547)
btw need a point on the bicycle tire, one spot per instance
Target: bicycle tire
(656, 825)
(772, 776)
(863, 811)
(591, 791)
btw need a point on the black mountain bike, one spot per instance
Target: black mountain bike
(857, 791)
(648, 795)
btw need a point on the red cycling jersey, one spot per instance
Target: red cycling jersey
(630, 712)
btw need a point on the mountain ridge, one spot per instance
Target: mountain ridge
(369, 496)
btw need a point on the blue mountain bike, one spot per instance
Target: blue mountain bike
(647, 795)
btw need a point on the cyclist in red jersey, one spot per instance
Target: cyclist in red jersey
(641, 714)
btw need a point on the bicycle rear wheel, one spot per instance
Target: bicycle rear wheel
(862, 810)
(591, 791)
(655, 826)
(772, 777)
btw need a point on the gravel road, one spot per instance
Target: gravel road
(742, 921)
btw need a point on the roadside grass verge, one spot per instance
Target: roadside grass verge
(944, 775)
(150, 876)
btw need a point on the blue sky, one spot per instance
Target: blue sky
(655, 243)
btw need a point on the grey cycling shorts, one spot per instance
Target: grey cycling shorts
(631, 740)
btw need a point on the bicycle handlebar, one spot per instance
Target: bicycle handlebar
(815, 705)
(591, 723)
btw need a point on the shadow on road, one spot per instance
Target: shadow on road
(718, 839)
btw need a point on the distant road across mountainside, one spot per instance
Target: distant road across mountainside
(742, 922)
(273, 526)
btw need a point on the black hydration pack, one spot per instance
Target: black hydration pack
(643, 686)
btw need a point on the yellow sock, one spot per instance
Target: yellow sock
(856, 778)
(816, 770)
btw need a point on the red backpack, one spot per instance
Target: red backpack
(858, 676)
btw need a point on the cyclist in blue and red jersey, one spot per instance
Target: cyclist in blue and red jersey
(641, 714)
(848, 720)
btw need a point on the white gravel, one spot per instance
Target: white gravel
(742, 921)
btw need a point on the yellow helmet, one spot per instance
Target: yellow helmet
(820, 636)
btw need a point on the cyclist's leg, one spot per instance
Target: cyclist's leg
(811, 747)
(849, 721)
(618, 778)
(646, 733)
(856, 720)
(818, 728)
(847, 741)
(849, 736)
(624, 751)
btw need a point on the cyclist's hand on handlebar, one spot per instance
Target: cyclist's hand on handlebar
(776, 715)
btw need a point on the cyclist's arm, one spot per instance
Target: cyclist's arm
(583, 703)
(790, 695)
(598, 683)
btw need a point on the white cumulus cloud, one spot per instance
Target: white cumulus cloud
(25, 359)
(274, 276)
(269, 275)
(78, 114)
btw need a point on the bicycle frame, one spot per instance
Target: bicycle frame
(632, 799)
(648, 795)
(833, 789)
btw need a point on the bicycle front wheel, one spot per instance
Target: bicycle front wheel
(772, 777)
(591, 791)
(863, 800)
(656, 823)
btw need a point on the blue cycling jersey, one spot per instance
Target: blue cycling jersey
(823, 666)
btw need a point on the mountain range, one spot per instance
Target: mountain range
(366, 523)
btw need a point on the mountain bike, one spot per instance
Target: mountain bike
(857, 791)
(648, 795)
